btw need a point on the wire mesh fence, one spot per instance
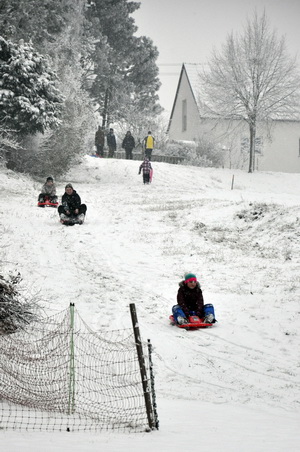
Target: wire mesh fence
(60, 375)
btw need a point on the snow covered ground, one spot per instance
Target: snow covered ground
(232, 388)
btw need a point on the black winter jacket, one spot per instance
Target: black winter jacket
(71, 202)
(128, 142)
(111, 140)
(190, 299)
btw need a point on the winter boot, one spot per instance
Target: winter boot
(209, 318)
(209, 313)
(81, 218)
(63, 218)
(181, 320)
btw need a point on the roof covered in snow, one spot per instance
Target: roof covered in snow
(192, 71)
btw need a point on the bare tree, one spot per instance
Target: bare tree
(252, 79)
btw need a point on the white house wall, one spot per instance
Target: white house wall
(282, 153)
(279, 149)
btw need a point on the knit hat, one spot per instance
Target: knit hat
(69, 186)
(49, 178)
(189, 277)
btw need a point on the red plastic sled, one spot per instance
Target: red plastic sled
(194, 323)
(47, 203)
(151, 175)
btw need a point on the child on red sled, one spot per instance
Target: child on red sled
(190, 302)
(48, 191)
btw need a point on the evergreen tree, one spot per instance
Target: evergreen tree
(56, 28)
(143, 74)
(93, 50)
(125, 72)
(29, 99)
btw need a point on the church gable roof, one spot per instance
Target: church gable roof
(192, 71)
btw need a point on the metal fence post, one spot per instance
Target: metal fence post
(156, 421)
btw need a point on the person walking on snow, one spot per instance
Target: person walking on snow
(99, 141)
(111, 143)
(149, 145)
(146, 167)
(128, 144)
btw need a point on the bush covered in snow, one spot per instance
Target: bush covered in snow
(254, 212)
(196, 153)
(16, 309)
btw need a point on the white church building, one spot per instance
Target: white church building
(277, 149)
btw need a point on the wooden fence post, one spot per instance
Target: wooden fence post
(139, 349)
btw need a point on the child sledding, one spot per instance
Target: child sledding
(71, 211)
(190, 311)
(47, 197)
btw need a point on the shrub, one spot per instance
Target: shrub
(196, 153)
(16, 309)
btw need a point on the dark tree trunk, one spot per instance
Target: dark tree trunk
(252, 148)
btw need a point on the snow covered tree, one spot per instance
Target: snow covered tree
(252, 79)
(56, 150)
(29, 99)
(8, 143)
(65, 146)
(34, 20)
(56, 28)
(119, 68)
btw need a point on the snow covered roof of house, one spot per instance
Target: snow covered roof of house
(193, 73)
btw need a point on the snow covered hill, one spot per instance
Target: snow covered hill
(234, 387)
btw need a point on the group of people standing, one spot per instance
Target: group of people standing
(128, 143)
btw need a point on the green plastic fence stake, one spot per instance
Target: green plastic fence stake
(71, 407)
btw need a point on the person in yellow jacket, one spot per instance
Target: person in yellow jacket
(149, 145)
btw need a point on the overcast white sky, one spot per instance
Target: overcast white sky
(187, 30)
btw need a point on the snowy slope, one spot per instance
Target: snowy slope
(237, 380)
